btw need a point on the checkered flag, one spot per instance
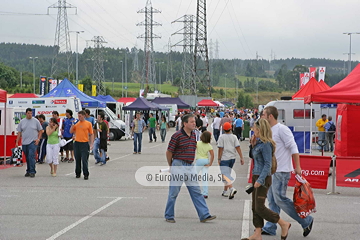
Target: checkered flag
(16, 156)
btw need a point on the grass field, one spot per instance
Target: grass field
(262, 98)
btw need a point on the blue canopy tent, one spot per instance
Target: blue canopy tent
(167, 100)
(106, 98)
(67, 89)
(141, 104)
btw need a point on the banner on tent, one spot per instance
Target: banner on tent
(322, 73)
(314, 168)
(42, 89)
(348, 172)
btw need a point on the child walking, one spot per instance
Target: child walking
(52, 147)
(228, 145)
(204, 147)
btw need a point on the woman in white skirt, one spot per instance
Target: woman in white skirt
(52, 147)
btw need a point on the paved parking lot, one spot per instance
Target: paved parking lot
(112, 205)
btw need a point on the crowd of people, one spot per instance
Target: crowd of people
(273, 150)
(41, 140)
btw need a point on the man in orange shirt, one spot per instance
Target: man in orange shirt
(83, 130)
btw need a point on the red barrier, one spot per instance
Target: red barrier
(10, 143)
(314, 168)
(348, 172)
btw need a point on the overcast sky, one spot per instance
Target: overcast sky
(289, 28)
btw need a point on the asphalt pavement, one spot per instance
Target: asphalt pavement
(113, 205)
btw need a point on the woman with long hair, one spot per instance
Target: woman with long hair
(263, 153)
(52, 147)
(163, 127)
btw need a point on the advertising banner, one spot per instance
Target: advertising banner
(81, 87)
(42, 85)
(322, 73)
(301, 84)
(314, 168)
(348, 172)
(49, 84)
(53, 85)
(312, 71)
(141, 93)
(93, 90)
(306, 78)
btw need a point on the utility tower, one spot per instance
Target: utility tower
(201, 57)
(149, 64)
(188, 83)
(211, 61)
(62, 40)
(169, 70)
(217, 50)
(98, 58)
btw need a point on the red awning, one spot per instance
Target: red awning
(24, 95)
(3, 95)
(126, 99)
(311, 87)
(207, 103)
(346, 91)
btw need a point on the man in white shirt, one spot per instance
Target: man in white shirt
(205, 122)
(286, 150)
(216, 126)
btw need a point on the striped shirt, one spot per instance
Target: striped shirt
(182, 146)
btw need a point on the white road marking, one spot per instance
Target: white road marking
(58, 234)
(156, 146)
(245, 232)
(126, 197)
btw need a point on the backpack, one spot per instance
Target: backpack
(332, 128)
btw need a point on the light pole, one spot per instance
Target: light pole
(225, 85)
(350, 33)
(33, 58)
(122, 78)
(77, 56)
(158, 63)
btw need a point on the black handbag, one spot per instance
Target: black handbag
(250, 151)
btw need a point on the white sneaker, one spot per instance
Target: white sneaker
(232, 193)
(225, 194)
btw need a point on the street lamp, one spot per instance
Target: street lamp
(122, 78)
(33, 58)
(158, 63)
(350, 33)
(77, 56)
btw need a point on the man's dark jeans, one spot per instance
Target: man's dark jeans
(216, 133)
(81, 153)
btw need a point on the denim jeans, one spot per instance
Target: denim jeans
(96, 150)
(321, 136)
(42, 150)
(163, 134)
(278, 200)
(194, 191)
(216, 133)
(29, 151)
(329, 141)
(137, 142)
(81, 154)
(152, 133)
(200, 166)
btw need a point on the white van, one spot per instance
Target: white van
(116, 108)
(291, 114)
(46, 106)
(117, 126)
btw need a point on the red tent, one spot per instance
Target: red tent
(24, 95)
(126, 99)
(207, 103)
(346, 91)
(325, 86)
(311, 87)
(3, 99)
